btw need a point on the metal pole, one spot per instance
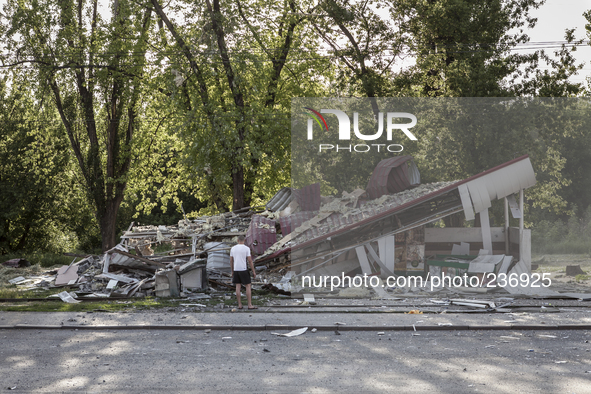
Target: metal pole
(521, 224)
(522, 213)
(506, 226)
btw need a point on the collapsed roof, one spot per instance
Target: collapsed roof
(345, 223)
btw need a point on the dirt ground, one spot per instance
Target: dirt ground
(555, 265)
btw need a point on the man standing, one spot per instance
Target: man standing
(239, 254)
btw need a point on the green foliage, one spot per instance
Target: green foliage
(40, 204)
(569, 237)
(138, 112)
(91, 69)
(465, 49)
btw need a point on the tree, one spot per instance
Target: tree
(94, 69)
(40, 204)
(235, 81)
(365, 44)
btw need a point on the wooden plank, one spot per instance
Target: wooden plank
(215, 282)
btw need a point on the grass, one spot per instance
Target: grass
(89, 306)
(7, 273)
(13, 292)
(43, 259)
(124, 305)
(572, 236)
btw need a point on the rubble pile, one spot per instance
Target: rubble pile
(386, 222)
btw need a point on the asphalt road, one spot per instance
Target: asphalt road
(147, 360)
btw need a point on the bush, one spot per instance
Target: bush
(572, 236)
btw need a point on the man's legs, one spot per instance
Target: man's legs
(238, 295)
(248, 297)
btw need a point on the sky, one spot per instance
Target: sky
(553, 18)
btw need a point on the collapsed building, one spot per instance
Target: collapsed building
(384, 231)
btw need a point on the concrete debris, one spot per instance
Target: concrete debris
(66, 275)
(309, 298)
(67, 297)
(17, 280)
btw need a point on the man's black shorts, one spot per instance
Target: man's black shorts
(241, 277)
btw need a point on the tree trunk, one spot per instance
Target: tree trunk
(237, 187)
(108, 223)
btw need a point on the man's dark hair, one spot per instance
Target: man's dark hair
(241, 238)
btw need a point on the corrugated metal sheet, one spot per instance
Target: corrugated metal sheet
(280, 200)
(291, 222)
(523, 178)
(260, 235)
(501, 183)
(393, 175)
(218, 259)
(308, 197)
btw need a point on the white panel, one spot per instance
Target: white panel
(500, 185)
(476, 268)
(485, 225)
(527, 177)
(462, 249)
(465, 248)
(515, 212)
(479, 194)
(510, 176)
(363, 261)
(503, 182)
(387, 251)
(466, 203)
(366, 269)
(375, 258)
(525, 250)
(475, 196)
(491, 187)
(484, 195)
(505, 265)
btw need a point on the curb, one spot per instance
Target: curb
(275, 327)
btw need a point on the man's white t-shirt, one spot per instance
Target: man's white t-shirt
(239, 253)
